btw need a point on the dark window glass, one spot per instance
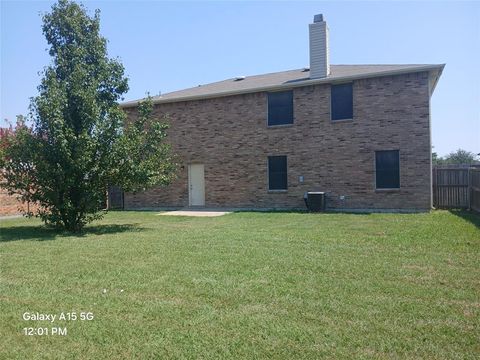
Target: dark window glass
(387, 167)
(342, 101)
(280, 108)
(277, 173)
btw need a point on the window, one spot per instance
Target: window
(277, 173)
(387, 169)
(280, 108)
(342, 101)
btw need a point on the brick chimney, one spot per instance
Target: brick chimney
(319, 57)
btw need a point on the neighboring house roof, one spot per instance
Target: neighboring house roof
(287, 79)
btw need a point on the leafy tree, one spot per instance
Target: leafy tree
(79, 141)
(461, 157)
(437, 160)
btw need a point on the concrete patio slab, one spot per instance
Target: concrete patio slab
(198, 213)
(6, 217)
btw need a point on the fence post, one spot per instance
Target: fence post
(469, 192)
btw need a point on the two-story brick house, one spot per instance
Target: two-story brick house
(360, 133)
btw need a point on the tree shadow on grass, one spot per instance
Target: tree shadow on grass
(469, 216)
(43, 233)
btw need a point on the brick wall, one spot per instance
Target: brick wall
(10, 205)
(230, 137)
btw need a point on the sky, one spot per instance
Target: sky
(167, 46)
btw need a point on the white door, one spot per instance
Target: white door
(196, 185)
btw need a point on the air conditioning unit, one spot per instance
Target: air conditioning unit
(315, 201)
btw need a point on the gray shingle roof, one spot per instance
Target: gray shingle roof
(285, 79)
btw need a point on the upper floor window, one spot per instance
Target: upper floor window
(342, 101)
(387, 169)
(277, 173)
(280, 108)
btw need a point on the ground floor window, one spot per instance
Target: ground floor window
(277, 173)
(387, 169)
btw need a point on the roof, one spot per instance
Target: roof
(286, 79)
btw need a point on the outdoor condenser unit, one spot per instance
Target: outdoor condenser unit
(315, 201)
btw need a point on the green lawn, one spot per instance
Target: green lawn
(246, 285)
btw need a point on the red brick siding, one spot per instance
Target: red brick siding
(230, 136)
(10, 204)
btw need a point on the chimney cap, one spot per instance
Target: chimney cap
(318, 18)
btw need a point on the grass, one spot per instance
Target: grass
(246, 285)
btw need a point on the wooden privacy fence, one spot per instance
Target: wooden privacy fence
(456, 188)
(475, 189)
